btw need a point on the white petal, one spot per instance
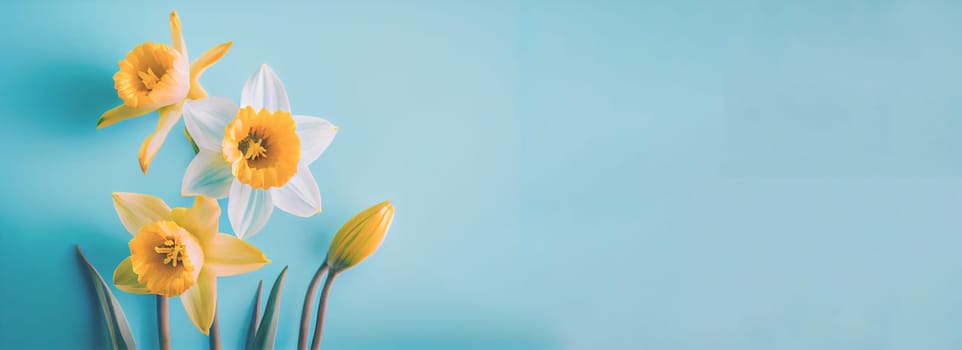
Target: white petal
(206, 120)
(265, 90)
(208, 174)
(315, 134)
(299, 196)
(248, 209)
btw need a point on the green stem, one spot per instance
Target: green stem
(215, 333)
(316, 344)
(163, 322)
(308, 305)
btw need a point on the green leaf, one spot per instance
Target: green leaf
(252, 330)
(268, 325)
(191, 140)
(117, 326)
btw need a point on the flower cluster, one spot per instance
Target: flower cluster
(255, 152)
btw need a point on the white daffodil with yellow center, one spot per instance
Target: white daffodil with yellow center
(157, 77)
(179, 252)
(257, 154)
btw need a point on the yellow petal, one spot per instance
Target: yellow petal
(200, 65)
(176, 34)
(169, 116)
(201, 220)
(360, 236)
(227, 255)
(119, 114)
(136, 210)
(200, 301)
(126, 280)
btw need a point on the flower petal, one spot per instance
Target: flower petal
(168, 117)
(201, 64)
(209, 175)
(201, 220)
(300, 195)
(315, 134)
(227, 255)
(126, 280)
(177, 34)
(265, 90)
(136, 210)
(248, 209)
(206, 120)
(121, 113)
(200, 301)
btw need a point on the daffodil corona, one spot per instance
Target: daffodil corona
(179, 252)
(152, 76)
(257, 154)
(262, 148)
(157, 77)
(166, 258)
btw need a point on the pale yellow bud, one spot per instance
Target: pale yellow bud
(360, 236)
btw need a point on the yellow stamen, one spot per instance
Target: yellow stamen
(252, 147)
(172, 251)
(149, 79)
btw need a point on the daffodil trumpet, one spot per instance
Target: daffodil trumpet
(257, 154)
(157, 77)
(179, 252)
(355, 241)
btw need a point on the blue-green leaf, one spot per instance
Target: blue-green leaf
(117, 327)
(267, 330)
(190, 139)
(252, 330)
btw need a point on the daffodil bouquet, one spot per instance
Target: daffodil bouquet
(255, 153)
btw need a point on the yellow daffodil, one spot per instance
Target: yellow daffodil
(157, 77)
(360, 237)
(257, 153)
(179, 252)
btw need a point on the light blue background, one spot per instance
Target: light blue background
(567, 175)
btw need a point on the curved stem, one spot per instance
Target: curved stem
(215, 333)
(163, 322)
(316, 344)
(308, 305)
